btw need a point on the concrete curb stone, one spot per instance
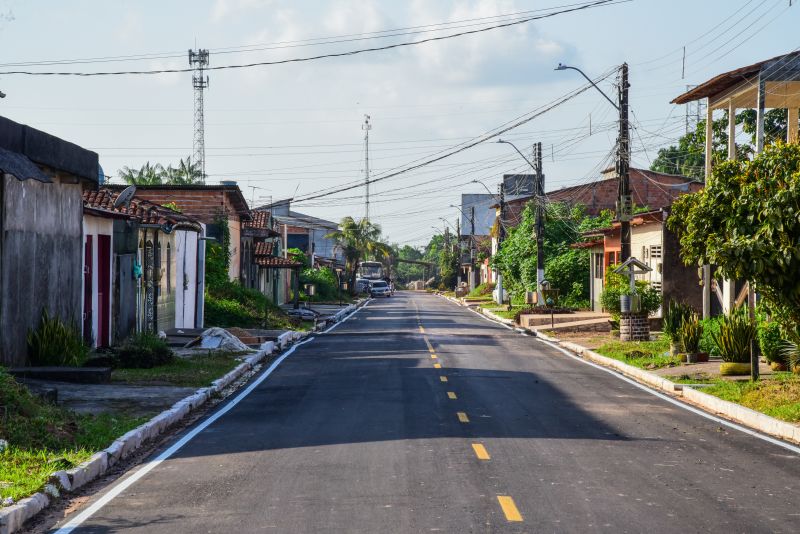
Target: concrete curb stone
(13, 517)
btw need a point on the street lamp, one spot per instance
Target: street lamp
(471, 219)
(339, 282)
(624, 204)
(518, 152)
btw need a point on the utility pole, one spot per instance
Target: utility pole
(366, 127)
(199, 60)
(473, 281)
(624, 204)
(501, 234)
(540, 203)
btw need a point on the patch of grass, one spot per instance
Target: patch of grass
(641, 354)
(778, 397)
(194, 371)
(44, 438)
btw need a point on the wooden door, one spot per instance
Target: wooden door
(103, 290)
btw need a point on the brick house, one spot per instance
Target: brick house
(206, 204)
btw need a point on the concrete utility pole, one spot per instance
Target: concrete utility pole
(199, 60)
(624, 204)
(540, 203)
(501, 234)
(366, 127)
(472, 278)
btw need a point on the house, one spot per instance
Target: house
(264, 253)
(653, 244)
(307, 233)
(210, 205)
(41, 231)
(772, 83)
(155, 258)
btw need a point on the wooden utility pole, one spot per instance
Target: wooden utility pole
(624, 204)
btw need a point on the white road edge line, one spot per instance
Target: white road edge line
(687, 407)
(78, 520)
(346, 318)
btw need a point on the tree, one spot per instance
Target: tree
(359, 240)
(406, 272)
(186, 173)
(746, 222)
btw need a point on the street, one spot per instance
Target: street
(416, 415)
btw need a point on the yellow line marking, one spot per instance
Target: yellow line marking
(433, 356)
(443, 379)
(451, 395)
(421, 329)
(462, 417)
(480, 451)
(428, 343)
(509, 508)
(437, 365)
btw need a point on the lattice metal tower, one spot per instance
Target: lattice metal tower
(199, 60)
(366, 127)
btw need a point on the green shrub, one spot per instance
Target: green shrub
(690, 333)
(675, 314)
(617, 284)
(736, 331)
(710, 328)
(229, 304)
(56, 343)
(144, 351)
(770, 340)
(482, 290)
(325, 283)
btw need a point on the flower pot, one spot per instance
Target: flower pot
(674, 348)
(691, 357)
(734, 369)
(779, 366)
(702, 357)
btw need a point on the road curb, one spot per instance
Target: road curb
(710, 404)
(13, 517)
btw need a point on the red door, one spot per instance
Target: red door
(87, 290)
(103, 289)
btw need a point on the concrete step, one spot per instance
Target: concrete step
(80, 375)
(532, 320)
(588, 325)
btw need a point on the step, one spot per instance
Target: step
(590, 325)
(531, 320)
(79, 375)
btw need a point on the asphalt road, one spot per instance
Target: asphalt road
(358, 431)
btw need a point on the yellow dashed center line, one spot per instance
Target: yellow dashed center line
(433, 356)
(421, 329)
(509, 508)
(462, 417)
(443, 379)
(480, 451)
(451, 395)
(437, 365)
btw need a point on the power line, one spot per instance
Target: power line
(590, 5)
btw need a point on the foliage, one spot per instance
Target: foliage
(690, 333)
(229, 304)
(324, 280)
(710, 329)
(736, 331)
(44, 438)
(779, 397)
(196, 371)
(358, 240)
(144, 351)
(218, 254)
(746, 223)
(675, 314)
(642, 354)
(617, 284)
(407, 272)
(173, 206)
(482, 290)
(186, 173)
(55, 343)
(770, 340)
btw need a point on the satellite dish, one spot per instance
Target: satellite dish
(125, 197)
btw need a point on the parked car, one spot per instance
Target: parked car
(379, 288)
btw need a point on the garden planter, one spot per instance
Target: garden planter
(702, 357)
(734, 369)
(681, 356)
(691, 357)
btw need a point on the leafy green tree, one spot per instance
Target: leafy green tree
(186, 173)
(359, 240)
(406, 272)
(746, 222)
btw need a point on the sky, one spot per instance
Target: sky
(291, 130)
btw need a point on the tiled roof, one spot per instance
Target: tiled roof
(276, 263)
(260, 220)
(140, 210)
(264, 249)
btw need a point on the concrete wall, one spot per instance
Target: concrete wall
(484, 217)
(96, 226)
(41, 258)
(166, 299)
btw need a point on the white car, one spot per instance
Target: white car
(379, 288)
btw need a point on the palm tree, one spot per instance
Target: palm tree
(358, 240)
(186, 173)
(146, 175)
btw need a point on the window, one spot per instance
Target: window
(655, 251)
(598, 265)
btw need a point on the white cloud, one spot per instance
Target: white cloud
(225, 8)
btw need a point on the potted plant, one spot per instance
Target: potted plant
(690, 333)
(674, 316)
(736, 332)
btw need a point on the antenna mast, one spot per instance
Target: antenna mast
(199, 60)
(366, 127)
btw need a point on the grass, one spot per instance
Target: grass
(503, 312)
(194, 371)
(641, 354)
(44, 438)
(778, 397)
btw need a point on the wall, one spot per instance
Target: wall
(680, 282)
(166, 299)
(96, 226)
(235, 227)
(41, 258)
(484, 216)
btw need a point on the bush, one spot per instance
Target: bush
(770, 340)
(482, 290)
(617, 285)
(144, 351)
(325, 281)
(710, 329)
(230, 304)
(736, 332)
(56, 343)
(675, 314)
(690, 333)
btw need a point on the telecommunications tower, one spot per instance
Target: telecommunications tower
(199, 60)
